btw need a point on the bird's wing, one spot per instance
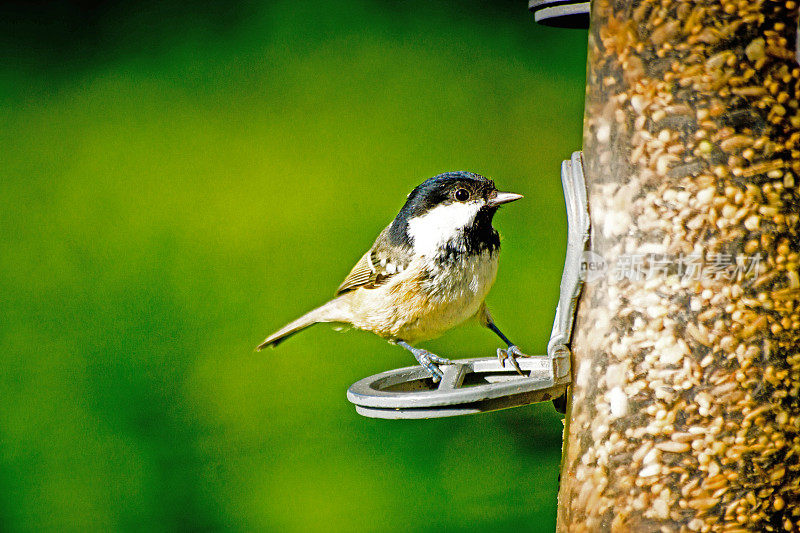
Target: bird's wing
(362, 275)
(380, 263)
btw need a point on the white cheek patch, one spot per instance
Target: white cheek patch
(433, 229)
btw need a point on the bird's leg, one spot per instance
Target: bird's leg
(511, 353)
(427, 359)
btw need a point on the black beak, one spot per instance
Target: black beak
(499, 198)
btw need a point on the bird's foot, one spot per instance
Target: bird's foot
(510, 354)
(430, 361)
(427, 359)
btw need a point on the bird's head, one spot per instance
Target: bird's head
(448, 208)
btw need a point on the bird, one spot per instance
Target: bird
(428, 271)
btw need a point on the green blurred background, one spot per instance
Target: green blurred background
(180, 179)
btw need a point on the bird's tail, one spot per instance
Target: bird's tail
(334, 311)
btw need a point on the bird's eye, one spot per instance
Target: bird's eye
(462, 195)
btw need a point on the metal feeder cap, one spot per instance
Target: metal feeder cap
(561, 13)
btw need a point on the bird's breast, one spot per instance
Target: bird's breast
(431, 296)
(447, 292)
(459, 278)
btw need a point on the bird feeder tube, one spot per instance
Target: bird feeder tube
(684, 413)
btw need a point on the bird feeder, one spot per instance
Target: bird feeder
(684, 412)
(477, 385)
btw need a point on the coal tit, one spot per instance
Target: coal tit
(428, 271)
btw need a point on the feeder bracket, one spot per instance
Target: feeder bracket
(574, 183)
(478, 385)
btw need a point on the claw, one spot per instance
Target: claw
(511, 353)
(429, 361)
